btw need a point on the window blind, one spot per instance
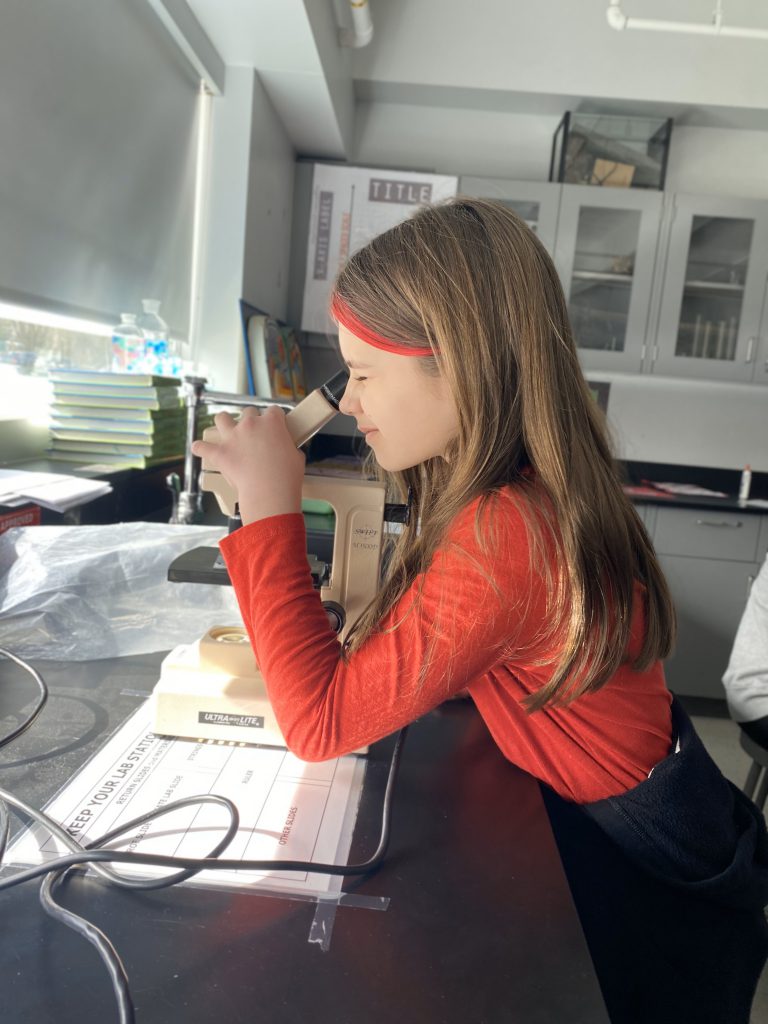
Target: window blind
(98, 120)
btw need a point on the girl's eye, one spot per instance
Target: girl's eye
(359, 378)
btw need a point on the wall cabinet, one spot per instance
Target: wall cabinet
(605, 252)
(670, 284)
(537, 203)
(710, 560)
(712, 289)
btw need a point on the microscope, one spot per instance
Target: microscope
(212, 690)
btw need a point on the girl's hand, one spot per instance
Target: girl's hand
(258, 457)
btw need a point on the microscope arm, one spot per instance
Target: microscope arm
(304, 420)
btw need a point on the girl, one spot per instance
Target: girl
(526, 579)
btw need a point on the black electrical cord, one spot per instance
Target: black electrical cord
(32, 716)
(5, 823)
(53, 871)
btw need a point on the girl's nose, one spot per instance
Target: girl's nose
(349, 402)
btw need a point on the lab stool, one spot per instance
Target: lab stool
(756, 786)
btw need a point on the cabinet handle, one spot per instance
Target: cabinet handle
(750, 349)
(719, 522)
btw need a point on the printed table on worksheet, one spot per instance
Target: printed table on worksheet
(289, 809)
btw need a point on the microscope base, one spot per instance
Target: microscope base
(225, 702)
(212, 691)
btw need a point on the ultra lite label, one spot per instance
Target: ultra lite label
(216, 718)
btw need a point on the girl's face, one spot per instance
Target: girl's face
(406, 415)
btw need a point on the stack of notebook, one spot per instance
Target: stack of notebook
(124, 420)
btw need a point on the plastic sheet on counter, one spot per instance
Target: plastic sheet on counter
(77, 593)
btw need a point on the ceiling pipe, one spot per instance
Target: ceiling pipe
(618, 20)
(361, 32)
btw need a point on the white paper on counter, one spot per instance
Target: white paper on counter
(57, 491)
(289, 809)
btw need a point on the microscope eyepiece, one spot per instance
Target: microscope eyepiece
(333, 389)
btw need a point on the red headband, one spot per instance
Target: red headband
(343, 315)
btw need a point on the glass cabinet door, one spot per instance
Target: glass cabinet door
(761, 349)
(713, 288)
(537, 203)
(605, 252)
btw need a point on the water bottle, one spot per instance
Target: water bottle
(155, 331)
(127, 345)
(160, 354)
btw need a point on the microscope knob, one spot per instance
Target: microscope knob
(335, 614)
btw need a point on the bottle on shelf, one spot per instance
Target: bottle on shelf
(745, 483)
(160, 355)
(127, 345)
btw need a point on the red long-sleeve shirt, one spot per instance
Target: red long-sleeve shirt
(476, 620)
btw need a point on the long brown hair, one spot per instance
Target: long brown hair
(470, 279)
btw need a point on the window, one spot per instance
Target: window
(98, 162)
(33, 342)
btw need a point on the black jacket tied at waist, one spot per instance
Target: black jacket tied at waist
(690, 826)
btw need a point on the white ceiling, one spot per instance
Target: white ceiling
(532, 57)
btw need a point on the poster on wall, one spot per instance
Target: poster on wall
(350, 205)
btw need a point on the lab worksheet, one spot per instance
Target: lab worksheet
(289, 809)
